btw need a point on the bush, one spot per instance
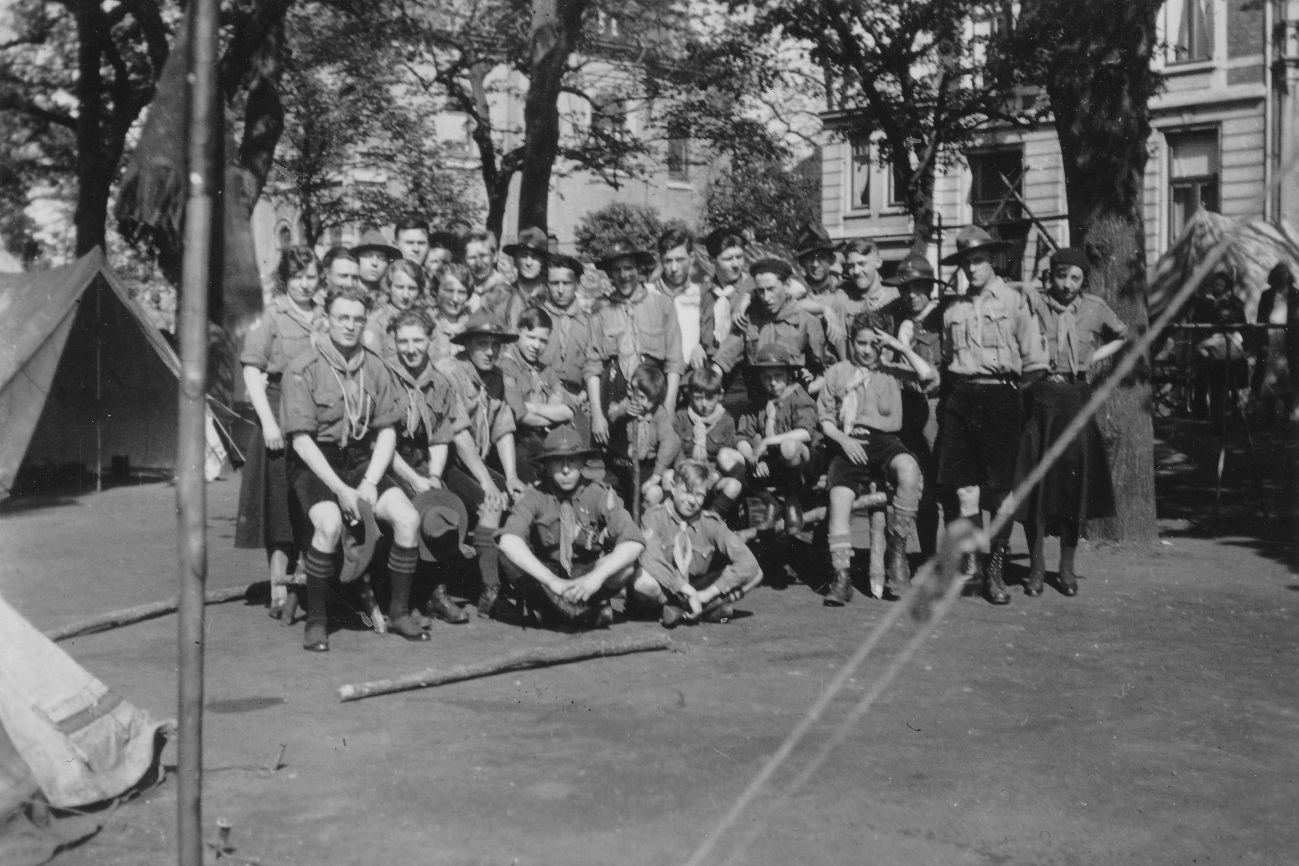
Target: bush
(598, 229)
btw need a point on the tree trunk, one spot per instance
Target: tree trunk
(555, 27)
(1102, 119)
(920, 201)
(93, 176)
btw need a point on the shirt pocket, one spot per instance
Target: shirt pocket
(548, 533)
(650, 336)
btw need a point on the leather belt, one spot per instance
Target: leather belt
(1071, 378)
(1008, 380)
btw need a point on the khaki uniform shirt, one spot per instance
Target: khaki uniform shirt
(312, 402)
(992, 333)
(721, 435)
(660, 442)
(602, 522)
(276, 338)
(652, 319)
(437, 403)
(566, 351)
(492, 402)
(699, 542)
(376, 336)
(1076, 331)
(793, 411)
(790, 326)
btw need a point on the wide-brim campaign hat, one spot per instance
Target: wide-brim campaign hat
(359, 541)
(913, 271)
(621, 249)
(443, 521)
(531, 240)
(563, 441)
(483, 323)
(974, 239)
(374, 242)
(813, 239)
(774, 355)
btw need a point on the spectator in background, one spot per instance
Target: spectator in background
(1220, 362)
(1277, 349)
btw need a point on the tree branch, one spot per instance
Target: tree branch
(13, 102)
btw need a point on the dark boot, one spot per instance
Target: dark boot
(994, 585)
(489, 567)
(721, 608)
(401, 572)
(1068, 580)
(771, 513)
(1036, 562)
(839, 592)
(897, 569)
(441, 607)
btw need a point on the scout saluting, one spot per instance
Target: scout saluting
(572, 539)
(682, 541)
(1081, 331)
(339, 410)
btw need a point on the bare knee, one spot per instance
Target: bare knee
(326, 525)
(730, 461)
(648, 588)
(730, 487)
(841, 499)
(906, 471)
(793, 453)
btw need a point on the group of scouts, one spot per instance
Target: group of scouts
(410, 396)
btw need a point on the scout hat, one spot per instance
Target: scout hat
(621, 248)
(374, 242)
(813, 239)
(913, 272)
(443, 520)
(774, 355)
(972, 239)
(359, 541)
(563, 441)
(483, 322)
(531, 240)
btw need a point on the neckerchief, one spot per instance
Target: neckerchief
(417, 411)
(537, 390)
(482, 411)
(772, 405)
(567, 532)
(722, 310)
(628, 341)
(702, 424)
(1066, 331)
(560, 334)
(299, 315)
(682, 547)
(852, 399)
(350, 375)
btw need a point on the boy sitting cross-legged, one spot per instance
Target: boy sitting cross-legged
(708, 436)
(571, 538)
(860, 409)
(682, 544)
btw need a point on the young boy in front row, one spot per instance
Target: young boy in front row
(682, 540)
(860, 410)
(707, 435)
(641, 425)
(778, 440)
(571, 538)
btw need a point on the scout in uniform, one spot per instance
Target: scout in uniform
(863, 290)
(530, 252)
(373, 255)
(816, 255)
(340, 271)
(571, 538)
(676, 258)
(707, 433)
(640, 429)
(992, 346)
(565, 352)
(920, 327)
(628, 328)
(774, 317)
(432, 419)
(339, 411)
(679, 571)
(400, 289)
(450, 295)
(860, 411)
(491, 291)
(778, 440)
(1080, 331)
(282, 333)
(493, 403)
(546, 402)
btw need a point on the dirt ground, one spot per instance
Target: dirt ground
(1152, 719)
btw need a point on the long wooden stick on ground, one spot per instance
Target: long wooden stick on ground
(531, 658)
(119, 618)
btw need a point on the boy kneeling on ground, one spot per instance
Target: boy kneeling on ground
(572, 537)
(860, 409)
(682, 545)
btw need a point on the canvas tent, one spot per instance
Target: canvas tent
(84, 376)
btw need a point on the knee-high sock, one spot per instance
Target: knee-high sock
(401, 571)
(489, 564)
(319, 567)
(840, 551)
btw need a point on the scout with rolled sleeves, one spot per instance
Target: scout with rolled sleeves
(992, 346)
(433, 418)
(919, 325)
(778, 440)
(531, 253)
(565, 351)
(628, 328)
(283, 332)
(570, 538)
(339, 410)
(1081, 331)
(680, 574)
(860, 411)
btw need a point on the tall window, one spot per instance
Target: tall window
(1192, 176)
(897, 186)
(994, 175)
(678, 159)
(1188, 30)
(859, 174)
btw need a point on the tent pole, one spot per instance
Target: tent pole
(204, 190)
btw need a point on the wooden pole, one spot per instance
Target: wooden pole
(530, 658)
(203, 142)
(139, 613)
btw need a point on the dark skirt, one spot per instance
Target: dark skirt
(1078, 487)
(263, 520)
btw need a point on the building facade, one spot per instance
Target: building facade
(1223, 128)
